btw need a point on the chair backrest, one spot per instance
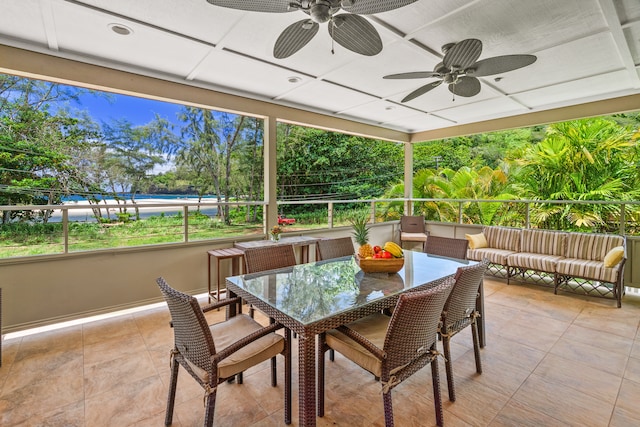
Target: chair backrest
(269, 258)
(335, 248)
(414, 324)
(191, 332)
(446, 246)
(462, 299)
(412, 224)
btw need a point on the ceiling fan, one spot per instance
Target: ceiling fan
(460, 70)
(350, 30)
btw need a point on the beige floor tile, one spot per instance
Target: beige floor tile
(548, 360)
(563, 403)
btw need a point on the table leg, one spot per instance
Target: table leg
(307, 380)
(209, 279)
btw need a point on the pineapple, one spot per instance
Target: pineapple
(361, 234)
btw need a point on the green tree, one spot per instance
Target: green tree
(590, 159)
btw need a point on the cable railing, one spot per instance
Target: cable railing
(77, 228)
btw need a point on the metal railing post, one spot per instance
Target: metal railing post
(65, 230)
(623, 219)
(459, 212)
(330, 212)
(527, 223)
(373, 212)
(185, 222)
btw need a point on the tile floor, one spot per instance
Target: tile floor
(550, 360)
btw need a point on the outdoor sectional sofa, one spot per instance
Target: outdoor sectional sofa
(580, 262)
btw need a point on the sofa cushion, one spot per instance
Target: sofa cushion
(534, 261)
(476, 241)
(587, 269)
(589, 246)
(614, 256)
(503, 238)
(543, 242)
(495, 256)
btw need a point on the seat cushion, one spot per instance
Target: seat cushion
(534, 261)
(503, 238)
(591, 246)
(543, 242)
(413, 237)
(236, 328)
(495, 256)
(374, 328)
(587, 269)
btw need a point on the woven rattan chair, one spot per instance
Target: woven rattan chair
(460, 312)
(335, 248)
(213, 354)
(269, 258)
(412, 229)
(392, 347)
(447, 247)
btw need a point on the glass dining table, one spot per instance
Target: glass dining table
(318, 296)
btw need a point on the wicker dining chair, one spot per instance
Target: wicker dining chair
(269, 258)
(213, 354)
(458, 313)
(392, 347)
(447, 247)
(335, 248)
(412, 229)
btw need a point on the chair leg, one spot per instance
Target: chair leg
(446, 341)
(211, 406)
(437, 395)
(320, 378)
(388, 409)
(168, 420)
(239, 377)
(287, 377)
(476, 346)
(332, 354)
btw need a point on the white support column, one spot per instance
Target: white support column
(408, 177)
(270, 173)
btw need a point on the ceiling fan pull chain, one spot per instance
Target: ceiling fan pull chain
(333, 42)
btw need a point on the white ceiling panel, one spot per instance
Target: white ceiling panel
(586, 49)
(145, 48)
(227, 70)
(13, 24)
(485, 110)
(590, 89)
(326, 96)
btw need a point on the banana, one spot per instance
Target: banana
(393, 249)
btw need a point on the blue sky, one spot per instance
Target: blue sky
(138, 111)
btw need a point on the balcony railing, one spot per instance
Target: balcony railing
(73, 228)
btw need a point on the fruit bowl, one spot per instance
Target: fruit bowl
(380, 265)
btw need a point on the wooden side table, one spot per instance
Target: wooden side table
(237, 259)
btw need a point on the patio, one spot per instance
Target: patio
(550, 360)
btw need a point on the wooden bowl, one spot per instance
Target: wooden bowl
(380, 265)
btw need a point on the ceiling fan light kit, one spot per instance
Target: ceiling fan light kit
(350, 30)
(460, 69)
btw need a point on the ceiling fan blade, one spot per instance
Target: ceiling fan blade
(369, 7)
(463, 55)
(421, 90)
(272, 6)
(355, 33)
(465, 86)
(413, 75)
(295, 37)
(500, 64)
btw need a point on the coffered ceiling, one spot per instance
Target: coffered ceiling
(587, 50)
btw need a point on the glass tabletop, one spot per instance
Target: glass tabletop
(310, 292)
